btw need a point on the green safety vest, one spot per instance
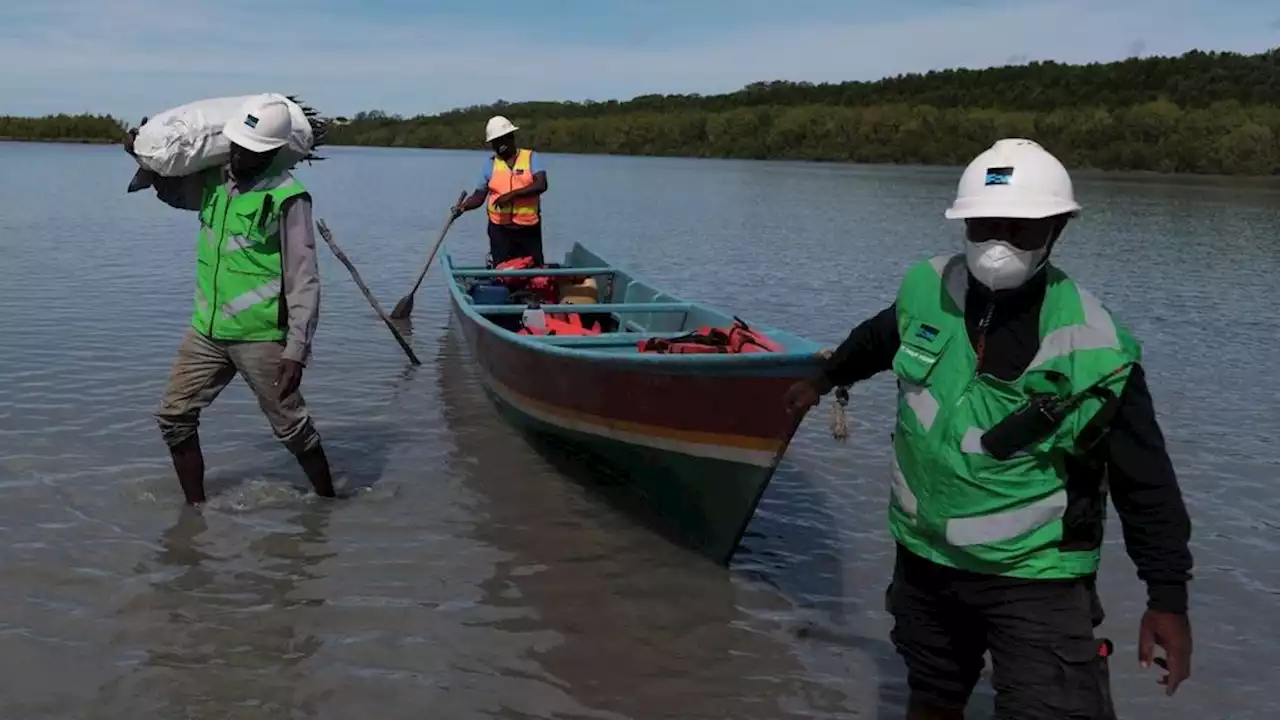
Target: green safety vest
(239, 273)
(954, 504)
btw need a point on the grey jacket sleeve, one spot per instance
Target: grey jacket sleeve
(301, 277)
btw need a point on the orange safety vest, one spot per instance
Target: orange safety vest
(524, 210)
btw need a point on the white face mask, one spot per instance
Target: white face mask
(1001, 266)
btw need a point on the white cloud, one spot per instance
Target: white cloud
(133, 57)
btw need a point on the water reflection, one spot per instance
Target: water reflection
(405, 625)
(224, 626)
(644, 627)
(647, 624)
(794, 546)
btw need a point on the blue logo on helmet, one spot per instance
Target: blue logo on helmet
(252, 121)
(999, 176)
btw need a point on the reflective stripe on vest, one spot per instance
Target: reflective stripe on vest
(239, 277)
(503, 178)
(983, 529)
(951, 501)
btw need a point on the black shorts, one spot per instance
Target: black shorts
(515, 241)
(1046, 663)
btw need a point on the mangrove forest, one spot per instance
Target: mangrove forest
(62, 128)
(1201, 112)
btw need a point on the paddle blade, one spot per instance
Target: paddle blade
(402, 308)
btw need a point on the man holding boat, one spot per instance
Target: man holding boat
(1021, 403)
(257, 296)
(510, 185)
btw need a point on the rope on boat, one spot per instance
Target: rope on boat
(839, 418)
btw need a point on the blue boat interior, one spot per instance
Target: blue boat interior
(626, 309)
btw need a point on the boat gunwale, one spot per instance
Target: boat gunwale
(737, 361)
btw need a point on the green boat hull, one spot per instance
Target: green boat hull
(702, 503)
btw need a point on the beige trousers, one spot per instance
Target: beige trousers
(203, 367)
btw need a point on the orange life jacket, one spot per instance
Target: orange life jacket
(563, 324)
(503, 178)
(739, 338)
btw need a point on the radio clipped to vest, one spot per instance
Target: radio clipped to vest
(1039, 418)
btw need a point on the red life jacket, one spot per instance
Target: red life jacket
(515, 264)
(542, 287)
(739, 338)
(563, 324)
(545, 289)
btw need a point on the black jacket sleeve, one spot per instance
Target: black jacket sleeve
(1144, 489)
(868, 350)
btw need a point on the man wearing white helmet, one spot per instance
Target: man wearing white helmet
(511, 183)
(257, 295)
(1021, 401)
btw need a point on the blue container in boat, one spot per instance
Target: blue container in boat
(490, 294)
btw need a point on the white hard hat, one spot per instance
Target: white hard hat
(261, 124)
(1014, 178)
(497, 127)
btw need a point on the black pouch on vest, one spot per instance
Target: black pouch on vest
(1026, 426)
(1038, 419)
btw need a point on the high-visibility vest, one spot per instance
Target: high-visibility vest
(952, 502)
(239, 273)
(524, 210)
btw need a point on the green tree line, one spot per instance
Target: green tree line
(1201, 112)
(62, 128)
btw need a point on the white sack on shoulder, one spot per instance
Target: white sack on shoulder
(188, 138)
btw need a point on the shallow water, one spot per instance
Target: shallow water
(471, 576)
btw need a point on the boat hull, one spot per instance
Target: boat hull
(699, 442)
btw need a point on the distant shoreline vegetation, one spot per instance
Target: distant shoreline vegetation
(85, 128)
(66, 140)
(1201, 113)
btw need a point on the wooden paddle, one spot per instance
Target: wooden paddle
(405, 306)
(342, 257)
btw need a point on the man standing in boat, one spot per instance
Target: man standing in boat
(257, 296)
(1021, 402)
(510, 185)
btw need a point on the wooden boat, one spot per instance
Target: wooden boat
(698, 435)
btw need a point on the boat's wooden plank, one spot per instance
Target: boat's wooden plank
(654, 307)
(533, 272)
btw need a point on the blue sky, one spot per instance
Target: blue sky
(136, 57)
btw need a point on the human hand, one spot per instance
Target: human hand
(130, 136)
(459, 207)
(801, 396)
(288, 378)
(1172, 633)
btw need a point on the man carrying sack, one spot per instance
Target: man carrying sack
(257, 296)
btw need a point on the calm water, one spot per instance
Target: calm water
(471, 578)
